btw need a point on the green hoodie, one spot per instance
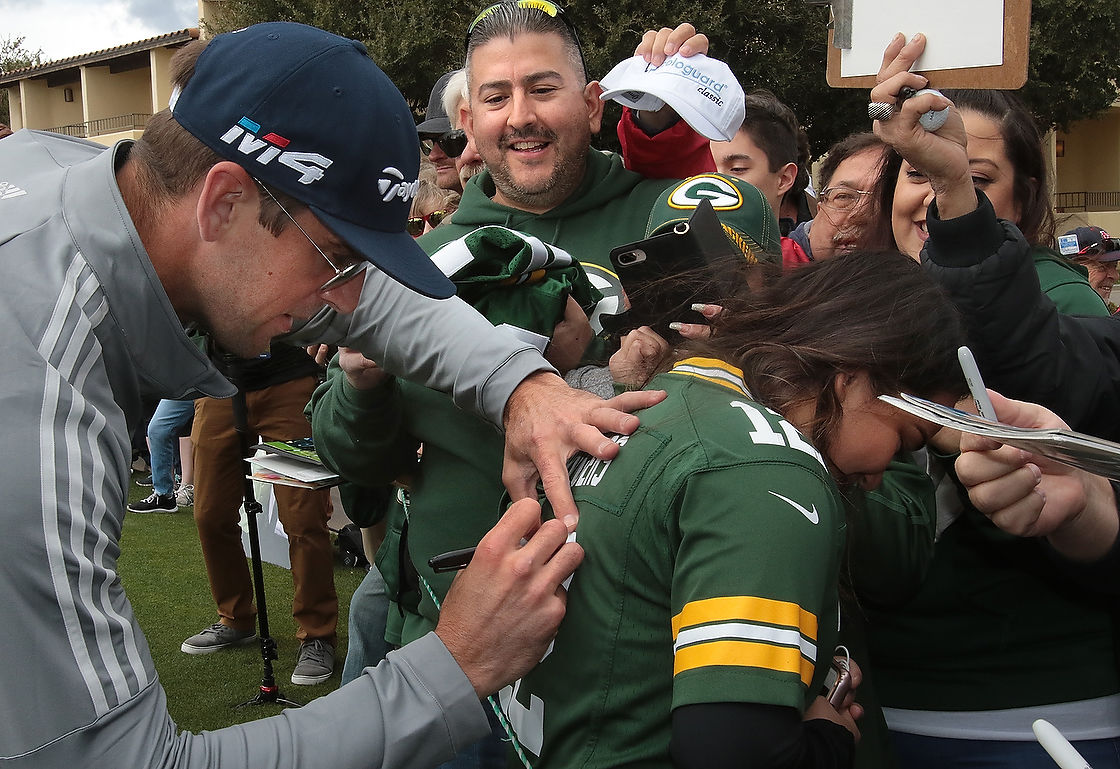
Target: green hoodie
(1067, 284)
(609, 208)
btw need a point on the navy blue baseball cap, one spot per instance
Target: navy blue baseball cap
(309, 113)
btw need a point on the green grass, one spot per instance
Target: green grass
(165, 579)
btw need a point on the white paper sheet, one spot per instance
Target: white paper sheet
(959, 33)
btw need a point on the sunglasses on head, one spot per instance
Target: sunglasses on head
(416, 224)
(544, 6)
(451, 142)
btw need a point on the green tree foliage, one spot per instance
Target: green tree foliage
(1074, 68)
(14, 56)
(775, 44)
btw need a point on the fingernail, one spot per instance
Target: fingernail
(570, 521)
(897, 35)
(677, 326)
(699, 307)
(1036, 472)
(915, 37)
(685, 51)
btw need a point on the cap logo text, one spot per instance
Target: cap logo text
(310, 165)
(395, 186)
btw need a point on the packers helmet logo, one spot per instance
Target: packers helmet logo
(722, 194)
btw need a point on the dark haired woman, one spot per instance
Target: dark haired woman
(701, 624)
(1005, 157)
(1002, 632)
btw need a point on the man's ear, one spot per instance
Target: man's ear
(591, 93)
(786, 177)
(227, 193)
(466, 119)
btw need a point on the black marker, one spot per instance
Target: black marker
(452, 560)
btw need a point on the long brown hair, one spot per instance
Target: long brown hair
(872, 312)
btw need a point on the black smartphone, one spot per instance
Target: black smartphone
(649, 268)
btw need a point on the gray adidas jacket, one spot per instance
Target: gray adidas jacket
(87, 330)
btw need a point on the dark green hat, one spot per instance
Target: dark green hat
(744, 212)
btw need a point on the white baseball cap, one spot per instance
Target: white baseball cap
(702, 90)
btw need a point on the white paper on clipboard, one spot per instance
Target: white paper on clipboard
(959, 33)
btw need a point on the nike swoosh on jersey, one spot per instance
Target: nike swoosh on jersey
(812, 515)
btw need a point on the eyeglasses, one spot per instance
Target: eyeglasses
(416, 224)
(841, 198)
(344, 275)
(544, 6)
(451, 142)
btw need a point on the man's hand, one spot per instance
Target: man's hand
(656, 46)
(1031, 496)
(504, 609)
(570, 338)
(321, 353)
(546, 422)
(659, 44)
(638, 355)
(361, 372)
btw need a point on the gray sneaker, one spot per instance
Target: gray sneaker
(217, 637)
(314, 664)
(184, 497)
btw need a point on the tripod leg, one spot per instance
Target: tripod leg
(269, 691)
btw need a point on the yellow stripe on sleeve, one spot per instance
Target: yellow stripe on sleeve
(747, 609)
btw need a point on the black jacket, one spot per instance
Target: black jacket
(1025, 349)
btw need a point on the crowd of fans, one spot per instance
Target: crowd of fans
(771, 525)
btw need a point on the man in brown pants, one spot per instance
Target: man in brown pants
(276, 390)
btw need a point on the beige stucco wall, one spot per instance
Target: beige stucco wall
(110, 139)
(1106, 220)
(46, 107)
(15, 107)
(160, 78)
(108, 95)
(1092, 155)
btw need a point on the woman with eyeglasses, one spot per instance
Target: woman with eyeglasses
(845, 204)
(432, 203)
(1003, 629)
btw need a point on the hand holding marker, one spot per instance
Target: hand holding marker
(976, 384)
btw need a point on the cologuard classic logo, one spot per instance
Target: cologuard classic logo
(722, 194)
(270, 147)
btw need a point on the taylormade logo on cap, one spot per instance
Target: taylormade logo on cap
(273, 148)
(395, 186)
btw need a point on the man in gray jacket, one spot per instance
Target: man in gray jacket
(285, 165)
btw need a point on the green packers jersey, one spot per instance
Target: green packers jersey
(712, 544)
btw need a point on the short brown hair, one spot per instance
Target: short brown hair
(170, 161)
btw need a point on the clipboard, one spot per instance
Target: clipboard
(1010, 75)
